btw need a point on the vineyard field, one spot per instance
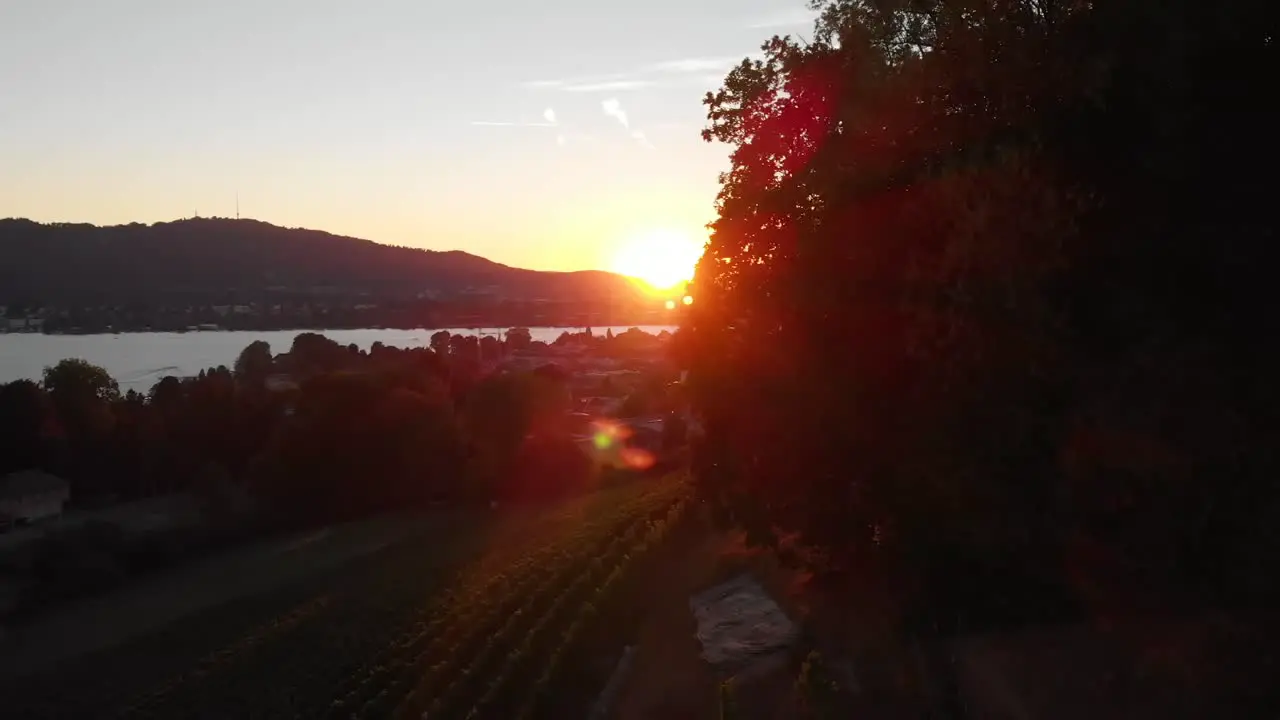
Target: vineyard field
(478, 617)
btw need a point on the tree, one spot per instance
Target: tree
(503, 413)
(519, 338)
(82, 395)
(358, 444)
(924, 261)
(76, 380)
(464, 348)
(313, 353)
(440, 342)
(167, 395)
(27, 424)
(254, 363)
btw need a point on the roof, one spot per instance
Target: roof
(31, 482)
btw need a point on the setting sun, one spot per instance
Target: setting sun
(662, 259)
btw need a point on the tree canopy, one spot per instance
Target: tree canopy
(951, 235)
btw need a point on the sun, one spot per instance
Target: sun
(661, 259)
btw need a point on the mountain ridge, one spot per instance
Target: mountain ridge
(68, 263)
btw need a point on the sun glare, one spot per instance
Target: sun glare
(661, 259)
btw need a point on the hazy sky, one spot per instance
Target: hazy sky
(540, 134)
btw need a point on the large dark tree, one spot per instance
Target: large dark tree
(358, 443)
(27, 426)
(254, 363)
(82, 395)
(953, 234)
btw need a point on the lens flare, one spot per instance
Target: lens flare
(637, 458)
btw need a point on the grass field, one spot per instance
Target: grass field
(474, 617)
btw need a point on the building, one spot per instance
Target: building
(32, 495)
(24, 324)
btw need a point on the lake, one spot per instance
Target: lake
(138, 360)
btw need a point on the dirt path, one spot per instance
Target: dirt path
(669, 680)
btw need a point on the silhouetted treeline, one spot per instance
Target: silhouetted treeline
(986, 319)
(318, 434)
(188, 272)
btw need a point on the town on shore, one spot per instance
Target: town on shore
(336, 313)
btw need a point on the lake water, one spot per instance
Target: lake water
(138, 360)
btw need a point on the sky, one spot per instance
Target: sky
(559, 134)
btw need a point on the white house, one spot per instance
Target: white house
(32, 495)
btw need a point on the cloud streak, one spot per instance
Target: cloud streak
(637, 80)
(609, 86)
(693, 65)
(506, 123)
(563, 83)
(654, 74)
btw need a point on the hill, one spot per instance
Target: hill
(204, 259)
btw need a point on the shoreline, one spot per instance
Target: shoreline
(321, 331)
(138, 359)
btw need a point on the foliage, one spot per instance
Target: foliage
(254, 363)
(27, 425)
(929, 271)
(515, 421)
(817, 690)
(400, 444)
(519, 338)
(344, 432)
(76, 381)
(81, 394)
(440, 342)
(351, 434)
